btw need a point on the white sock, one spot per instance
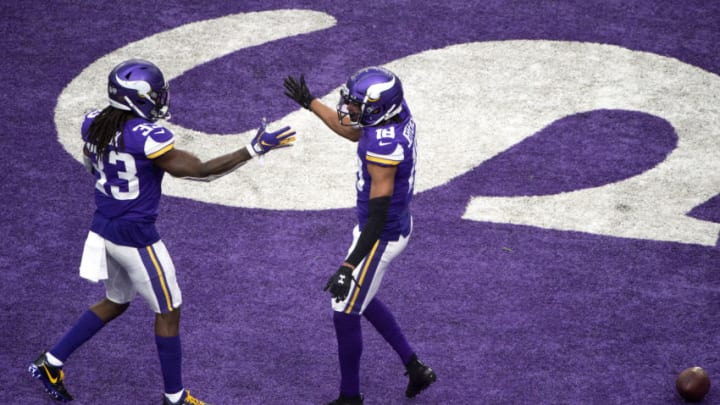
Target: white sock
(54, 361)
(175, 397)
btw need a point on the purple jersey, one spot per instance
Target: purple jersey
(128, 184)
(390, 144)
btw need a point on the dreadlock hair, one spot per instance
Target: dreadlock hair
(107, 128)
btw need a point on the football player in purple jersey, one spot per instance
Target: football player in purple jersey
(128, 152)
(373, 113)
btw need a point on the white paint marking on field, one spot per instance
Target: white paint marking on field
(492, 96)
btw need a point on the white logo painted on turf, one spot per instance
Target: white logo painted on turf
(526, 86)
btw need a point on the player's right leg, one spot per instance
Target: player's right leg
(348, 331)
(48, 367)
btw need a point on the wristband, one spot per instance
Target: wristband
(251, 150)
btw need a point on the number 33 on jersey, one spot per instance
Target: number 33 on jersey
(126, 171)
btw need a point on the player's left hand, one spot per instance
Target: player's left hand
(297, 90)
(265, 141)
(339, 283)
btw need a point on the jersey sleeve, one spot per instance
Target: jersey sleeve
(85, 129)
(158, 142)
(388, 153)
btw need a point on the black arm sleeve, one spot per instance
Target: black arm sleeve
(377, 214)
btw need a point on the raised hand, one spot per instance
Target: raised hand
(298, 91)
(265, 141)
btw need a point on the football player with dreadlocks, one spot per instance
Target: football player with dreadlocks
(128, 152)
(372, 112)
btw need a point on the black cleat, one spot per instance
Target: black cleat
(356, 400)
(52, 377)
(185, 399)
(421, 376)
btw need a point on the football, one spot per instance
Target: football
(693, 384)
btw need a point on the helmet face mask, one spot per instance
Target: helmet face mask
(370, 96)
(349, 106)
(139, 86)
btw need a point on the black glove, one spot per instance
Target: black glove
(298, 91)
(340, 282)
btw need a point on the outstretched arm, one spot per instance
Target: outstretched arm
(330, 117)
(297, 90)
(180, 163)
